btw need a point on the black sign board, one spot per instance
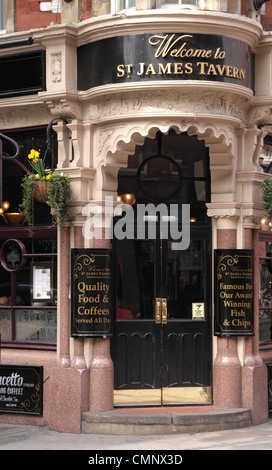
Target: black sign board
(234, 292)
(165, 56)
(91, 292)
(21, 389)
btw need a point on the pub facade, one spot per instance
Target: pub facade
(149, 295)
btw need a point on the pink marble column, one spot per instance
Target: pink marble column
(101, 368)
(78, 361)
(254, 373)
(101, 376)
(227, 383)
(64, 302)
(69, 384)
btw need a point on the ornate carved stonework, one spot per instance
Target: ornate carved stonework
(223, 211)
(12, 116)
(56, 67)
(171, 100)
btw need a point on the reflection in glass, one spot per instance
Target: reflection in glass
(147, 270)
(135, 279)
(184, 279)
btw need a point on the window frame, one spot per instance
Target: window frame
(3, 9)
(265, 237)
(21, 233)
(159, 5)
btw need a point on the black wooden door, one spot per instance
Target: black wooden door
(161, 346)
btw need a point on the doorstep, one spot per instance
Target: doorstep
(164, 420)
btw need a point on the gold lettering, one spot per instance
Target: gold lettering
(178, 68)
(150, 69)
(141, 71)
(219, 54)
(212, 70)
(166, 44)
(202, 67)
(242, 74)
(121, 71)
(188, 68)
(220, 69)
(229, 70)
(165, 70)
(235, 72)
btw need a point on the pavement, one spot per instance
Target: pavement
(21, 437)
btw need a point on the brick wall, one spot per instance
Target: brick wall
(28, 14)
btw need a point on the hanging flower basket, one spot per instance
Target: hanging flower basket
(47, 186)
(40, 191)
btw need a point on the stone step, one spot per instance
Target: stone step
(146, 422)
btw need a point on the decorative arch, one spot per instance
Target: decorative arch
(120, 142)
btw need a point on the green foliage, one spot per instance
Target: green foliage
(27, 204)
(59, 196)
(267, 197)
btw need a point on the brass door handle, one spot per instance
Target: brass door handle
(160, 311)
(164, 311)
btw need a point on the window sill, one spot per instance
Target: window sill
(38, 346)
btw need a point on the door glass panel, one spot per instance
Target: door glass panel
(185, 279)
(135, 279)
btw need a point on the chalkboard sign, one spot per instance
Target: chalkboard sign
(234, 292)
(21, 389)
(91, 292)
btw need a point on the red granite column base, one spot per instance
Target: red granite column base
(69, 392)
(227, 383)
(255, 392)
(101, 377)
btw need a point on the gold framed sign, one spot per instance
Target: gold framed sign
(91, 292)
(234, 292)
(42, 282)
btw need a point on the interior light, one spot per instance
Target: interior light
(128, 198)
(5, 205)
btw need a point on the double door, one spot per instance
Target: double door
(161, 345)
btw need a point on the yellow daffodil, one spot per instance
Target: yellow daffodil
(34, 155)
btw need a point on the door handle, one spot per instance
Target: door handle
(158, 311)
(161, 311)
(164, 311)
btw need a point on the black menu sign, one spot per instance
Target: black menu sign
(91, 294)
(21, 389)
(234, 292)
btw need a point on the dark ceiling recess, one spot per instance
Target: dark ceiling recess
(259, 3)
